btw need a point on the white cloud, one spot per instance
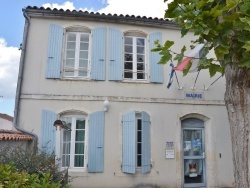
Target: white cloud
(147, 8)
(66, 5)
(9, 63)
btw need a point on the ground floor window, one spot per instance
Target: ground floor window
(74, 141)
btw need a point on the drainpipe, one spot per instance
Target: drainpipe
(19, 83)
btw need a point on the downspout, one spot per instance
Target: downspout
(19, 83)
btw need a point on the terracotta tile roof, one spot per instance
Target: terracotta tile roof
(41, 11)
(7, 117)
(13, 135)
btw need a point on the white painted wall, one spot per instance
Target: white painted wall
(6, 124)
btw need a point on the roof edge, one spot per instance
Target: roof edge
(48, 12)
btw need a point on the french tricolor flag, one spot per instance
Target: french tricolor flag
(194, 56)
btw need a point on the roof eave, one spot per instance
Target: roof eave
(80, 15)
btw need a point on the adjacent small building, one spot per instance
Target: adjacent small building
(122, 127)
(6, 122)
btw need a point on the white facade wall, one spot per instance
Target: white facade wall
(6, 124)
(166, 107)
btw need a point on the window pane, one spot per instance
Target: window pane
(71, 37)
(140, 76)
(139, 160)
(84, 46)
(128, 57)
(128, 49)
(140, 42)
(83, 63)
(80, 135)
(140, 50)
(128, 66)
(139, 124)
(140, 66)
(128, 75)
(70, 54)
(71, 45)
(84, 37)
(138, 148)
(65, 160)
(70, 63)
(66, 136)
(69, 73)
(140, 58)
(138, 136)
(128, 40)
(83, 54)
(82, 73)
(80, 124)
(79, 148)
(79, 160)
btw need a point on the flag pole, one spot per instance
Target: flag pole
(177, 79)
(193, 88)
(213, 83)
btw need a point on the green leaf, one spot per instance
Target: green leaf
(220, 51)
(213, 69)
(230, 4)
(245, 61)
(245, 8)
(247, 46)
(186, 70)
(180, 56)
(168, 44)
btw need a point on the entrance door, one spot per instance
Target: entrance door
(193, 140)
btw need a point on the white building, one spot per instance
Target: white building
(6, 122)
(74, 61)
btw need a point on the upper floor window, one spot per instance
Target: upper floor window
(134, 56)
(77, 54)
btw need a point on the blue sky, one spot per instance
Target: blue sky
(12, 24)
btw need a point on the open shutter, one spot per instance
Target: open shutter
(96, 142)
(156, 70)
(98, 53)
(48, 131)
(146, 159)
(115, 54)
(54, 54)
(128, 142)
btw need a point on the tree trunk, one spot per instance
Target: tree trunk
(237, 97)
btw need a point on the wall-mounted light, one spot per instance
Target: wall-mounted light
(106, 105)
(61, 124)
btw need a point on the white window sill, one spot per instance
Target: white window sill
(136, 81)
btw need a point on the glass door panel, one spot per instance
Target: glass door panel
(193, 157)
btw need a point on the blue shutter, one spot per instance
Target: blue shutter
(48, 131)
(128, 142)
(54, 54)
(98, 53)
(146, 159)
(96, 142)
(115, 54)
(156, 70)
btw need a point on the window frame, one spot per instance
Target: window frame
(76, 68)
(135, 36)
(72, 149)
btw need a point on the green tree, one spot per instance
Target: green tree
(224, 27)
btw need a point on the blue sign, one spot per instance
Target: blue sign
(191, 95)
